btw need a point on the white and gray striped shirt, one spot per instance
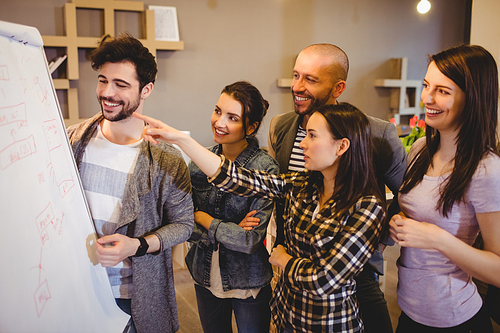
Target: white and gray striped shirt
(297, 156)
(104, 172)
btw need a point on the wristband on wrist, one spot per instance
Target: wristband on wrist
(143, 248)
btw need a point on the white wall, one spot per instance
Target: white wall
(485, 29)
(229, 40)
(485, 26)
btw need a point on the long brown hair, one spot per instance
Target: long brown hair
(355, 176)
(474, 71)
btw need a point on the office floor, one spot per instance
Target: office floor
(188, 311)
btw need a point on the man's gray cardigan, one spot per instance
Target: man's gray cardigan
(157, 200)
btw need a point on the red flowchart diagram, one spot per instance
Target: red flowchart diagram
(22, 138)
(45, 222)
(15, 115)
(4, 73)
(19, 149)
(60, 171)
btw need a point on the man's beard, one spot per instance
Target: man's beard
(124, 113)
(315, 104)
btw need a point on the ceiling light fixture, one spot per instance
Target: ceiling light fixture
(423, 6)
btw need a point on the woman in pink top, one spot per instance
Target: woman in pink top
(450, 192)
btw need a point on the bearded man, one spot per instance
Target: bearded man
(139, 194)
(319, 78)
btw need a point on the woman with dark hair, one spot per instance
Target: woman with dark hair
(227, 259)
(333, 213)
(451, 192)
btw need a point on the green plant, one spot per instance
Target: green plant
(418, 131)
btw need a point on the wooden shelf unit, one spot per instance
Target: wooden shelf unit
(405, 94)
(72, 42)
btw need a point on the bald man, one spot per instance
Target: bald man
(319, 78)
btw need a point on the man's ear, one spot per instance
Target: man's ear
(339, 88)
(343, 147)
(146, 90)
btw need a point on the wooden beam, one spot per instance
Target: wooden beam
(72, 46)
(133, 6)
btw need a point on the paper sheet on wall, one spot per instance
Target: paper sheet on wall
(166, 27)
(50, 278)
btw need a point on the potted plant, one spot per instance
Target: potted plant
(418, 131)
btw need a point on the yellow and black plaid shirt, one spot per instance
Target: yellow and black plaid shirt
(315, 292)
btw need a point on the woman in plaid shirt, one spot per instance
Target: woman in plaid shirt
(333, 213)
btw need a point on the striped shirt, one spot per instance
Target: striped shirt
(297, 162)
(104, 172)
(316, 291)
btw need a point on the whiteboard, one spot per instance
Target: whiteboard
(50, 278)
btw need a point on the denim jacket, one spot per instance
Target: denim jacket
(243, 258)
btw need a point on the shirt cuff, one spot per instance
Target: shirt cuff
(291, 270)
(213, 230)
(222, 171)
